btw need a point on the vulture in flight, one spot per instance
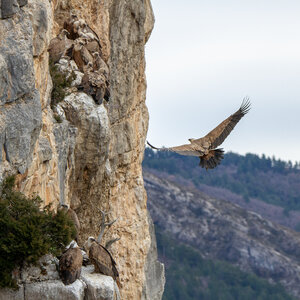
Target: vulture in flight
(206, 147)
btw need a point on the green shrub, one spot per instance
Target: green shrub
(27, 232)
(61, 80)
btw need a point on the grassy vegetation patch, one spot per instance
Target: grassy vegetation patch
(28, 232)
(61, 81)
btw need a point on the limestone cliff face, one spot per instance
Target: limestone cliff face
(92, 159)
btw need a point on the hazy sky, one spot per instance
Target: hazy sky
(203, 57)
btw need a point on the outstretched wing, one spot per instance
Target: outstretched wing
(217, 136)
(183, 149)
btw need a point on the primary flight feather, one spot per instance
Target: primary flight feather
(205, 147)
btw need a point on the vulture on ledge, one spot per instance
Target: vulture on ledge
(70, 265)
(206, 147)
(102, 260)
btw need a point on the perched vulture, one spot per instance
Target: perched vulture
(82, 56)
(78, 28)
(70, 26)
(88, 32)
(205, 147)
(100, 65)
(102, 260)
(59, 46)
(86, 56)
(95, 85)
(73, 216)
(70, 265)
(93, 46)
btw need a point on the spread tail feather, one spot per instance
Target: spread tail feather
(212, 159)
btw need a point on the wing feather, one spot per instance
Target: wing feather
(214, 138)
(103, 260)
(70, 265)
(217, 136)
(186, 149)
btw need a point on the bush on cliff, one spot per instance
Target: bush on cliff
(28, 232)
(61, 81)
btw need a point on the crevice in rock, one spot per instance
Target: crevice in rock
(5, 149)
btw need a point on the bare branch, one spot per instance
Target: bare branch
(103, 213)
(110, 242)
(103, 225)
(112, 222)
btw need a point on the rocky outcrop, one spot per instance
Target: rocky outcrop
(42, 282)
(155, 270)
(92, 159)
(20, 107)
(10, 7)
(10, 294)
(44, 269)
(221, 230)
(99, 286)
(55, 289)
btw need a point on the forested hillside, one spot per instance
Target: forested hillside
(253, 178)
(271, 180)
(213, 249)
(190, 277)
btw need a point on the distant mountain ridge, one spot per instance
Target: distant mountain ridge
(265, 185)
(219, 230)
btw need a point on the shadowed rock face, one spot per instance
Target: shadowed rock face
(8, 8)
(20, 107)
(16, 63)
(221, 230)
(155, 270)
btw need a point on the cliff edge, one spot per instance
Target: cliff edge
(90, 159)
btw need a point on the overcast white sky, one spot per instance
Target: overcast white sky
(203, 57)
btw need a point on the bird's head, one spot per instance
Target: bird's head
(64, 207)
(73, 16)
(82, 42)
(82, 23)
(96, 55)
(191, 139)
(63, 34)
(73, 244)
(89, 65)
(87, 245)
